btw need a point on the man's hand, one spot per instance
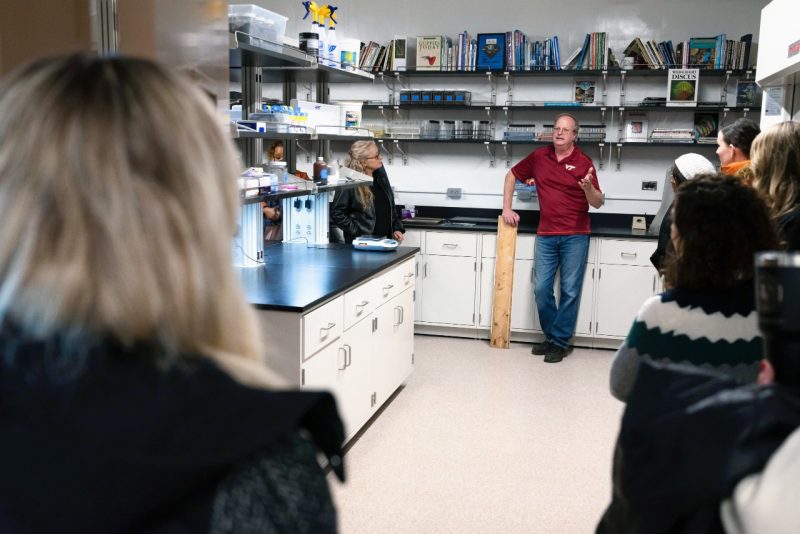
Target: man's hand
(511, 217)
(586, 181)
(593, 196)
(398, 235)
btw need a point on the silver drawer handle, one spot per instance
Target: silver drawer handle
(344, 362)
(450, 245)
(628, 254)
(330, 325)
(362, 304)
(387, 288)
(409, 275)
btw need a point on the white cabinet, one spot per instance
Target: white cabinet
(395, 332)
(359, 346)
(523, 304)
(355, 379)
(446, 279)
(625, 279)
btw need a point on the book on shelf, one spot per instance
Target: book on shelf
(747, 94)
(491, 53)
(706, 127)
(429, 52)
(636, 127)
(682, 87)
(702, 52)
(672, 135)
(584, 91)
(399, 52)
(635, 51)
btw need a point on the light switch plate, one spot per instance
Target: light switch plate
(638, 223)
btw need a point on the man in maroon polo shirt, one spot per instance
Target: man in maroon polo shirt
(566, 184)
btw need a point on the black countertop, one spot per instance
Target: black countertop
(297, 277)
(483, 220)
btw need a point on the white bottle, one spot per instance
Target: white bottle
(322, 55)
(333, 48)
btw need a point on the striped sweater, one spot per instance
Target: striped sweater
(715, 330)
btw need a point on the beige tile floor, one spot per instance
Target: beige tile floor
(485, 440)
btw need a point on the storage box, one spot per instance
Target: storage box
(257, 21)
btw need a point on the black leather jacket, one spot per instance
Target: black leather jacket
(355, 219)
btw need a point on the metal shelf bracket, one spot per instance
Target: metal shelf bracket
(402, 153)
(488, 146)
(507, 154)
(619, 157)
(304, 150)
(389, 153)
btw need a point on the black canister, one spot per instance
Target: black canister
(309, 43)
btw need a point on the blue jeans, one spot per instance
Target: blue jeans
(567, 252)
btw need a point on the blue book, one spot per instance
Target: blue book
(582, 55)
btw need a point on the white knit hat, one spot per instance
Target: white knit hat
(692, 164)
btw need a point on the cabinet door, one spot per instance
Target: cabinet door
(448, 289)
(583, 326)
(418, 267)
(355, 375)
(393, 344)
(523, 305)
(319, 372)
(621, 290)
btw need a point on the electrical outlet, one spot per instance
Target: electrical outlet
(454, 193)
(638, 223)
(648, 185)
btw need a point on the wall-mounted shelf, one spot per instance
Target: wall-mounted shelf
(277, 60)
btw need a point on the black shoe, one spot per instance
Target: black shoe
(541, 348)
(555, 354)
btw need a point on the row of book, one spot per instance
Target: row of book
(698, 52)
(514, 51)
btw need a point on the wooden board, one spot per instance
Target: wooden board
(503, 284)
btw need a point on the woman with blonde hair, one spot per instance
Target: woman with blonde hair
(367, 210)
(133, 393)
(776, 165)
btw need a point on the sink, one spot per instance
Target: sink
(472, 221)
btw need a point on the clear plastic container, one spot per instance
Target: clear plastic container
(447, 130)
(257, 21)
(430, 130)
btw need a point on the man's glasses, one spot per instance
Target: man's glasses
(562, 130)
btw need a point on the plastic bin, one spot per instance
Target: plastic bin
(257, 21)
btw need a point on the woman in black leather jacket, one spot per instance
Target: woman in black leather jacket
(367, 210)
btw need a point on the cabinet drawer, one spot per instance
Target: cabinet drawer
(360, 302)
(322, 326)
(626, 252)
(395, 281)
(451, 243)
(523, 251)
(404, 274)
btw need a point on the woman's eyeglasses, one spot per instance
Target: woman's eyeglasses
(376, 156)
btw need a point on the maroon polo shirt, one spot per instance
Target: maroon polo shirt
(563, 207)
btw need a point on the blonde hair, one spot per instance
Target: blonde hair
(117, 210)
(356, 156)
(776, 164)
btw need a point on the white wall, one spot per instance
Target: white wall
(432, 168)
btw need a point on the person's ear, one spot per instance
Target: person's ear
(766, 373)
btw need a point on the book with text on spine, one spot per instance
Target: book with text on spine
(682, 87)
